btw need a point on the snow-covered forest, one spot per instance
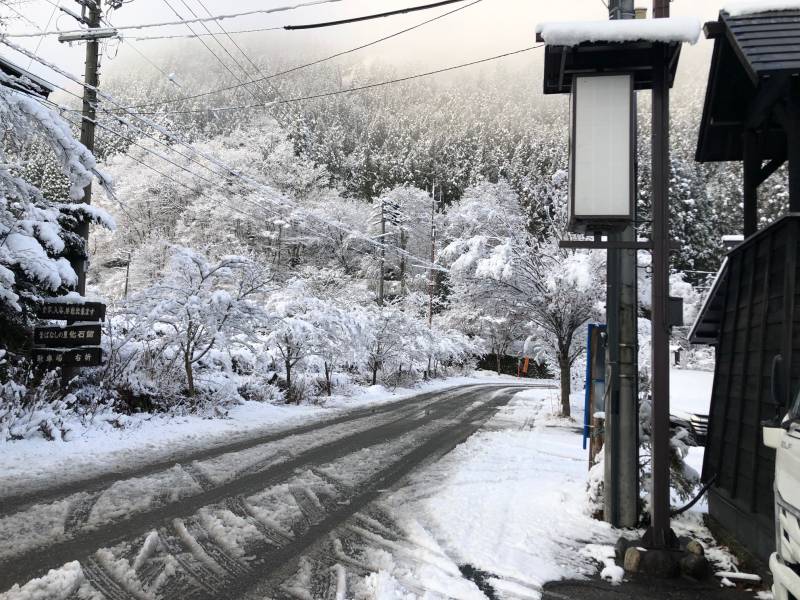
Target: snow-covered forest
(288, 251)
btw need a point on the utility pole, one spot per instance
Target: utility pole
(91, 78)
(91, 16)
(431, 273)
(621, 477)
(660, 535)
(383, 254)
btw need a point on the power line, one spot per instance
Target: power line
(41, 39)
(239, 48)
(144, 56)
(370, 17)
(207, 47)
(198, 35)
(313, 63)
(261, 11)
(339, 92)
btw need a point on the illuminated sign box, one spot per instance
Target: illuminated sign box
(602, 153)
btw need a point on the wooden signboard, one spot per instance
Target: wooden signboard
(71, 336)
(81, 357)
(86, 311)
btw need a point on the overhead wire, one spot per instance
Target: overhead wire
(207, 47)
(41, 39)
(261, 11)
(158, 155)
(198, 35)
(344, 91)
(243, 53)
(390, 13)
(315, 62)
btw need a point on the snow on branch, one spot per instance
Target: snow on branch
(572, 33)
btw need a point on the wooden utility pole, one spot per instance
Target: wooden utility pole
(431, 273)
(89, 112)
(383, 254)
(660, 535)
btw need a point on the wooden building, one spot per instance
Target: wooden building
(752, 115)
(752, 315)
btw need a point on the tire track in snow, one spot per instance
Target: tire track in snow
(79, 512)
(275, 571)
(104, 582)
(34, 561)
(219, 582)
(47, 494)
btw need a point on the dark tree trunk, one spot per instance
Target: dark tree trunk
(187, 365)
(497, 358)
(374, 374)
(566, 384)
(328, 373)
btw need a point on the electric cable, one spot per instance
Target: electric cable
(390, 13)
(315, 62)
(339, 92)
(261, 11)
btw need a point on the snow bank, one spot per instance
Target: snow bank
(737, 8)
(572, 33)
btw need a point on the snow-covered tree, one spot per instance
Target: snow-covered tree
(557, 290)
(36, 230)
(200, 305)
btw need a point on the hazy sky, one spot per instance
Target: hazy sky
(490, 27)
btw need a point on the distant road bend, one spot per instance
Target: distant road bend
(233, 521)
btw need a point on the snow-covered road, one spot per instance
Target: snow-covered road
(233, 519)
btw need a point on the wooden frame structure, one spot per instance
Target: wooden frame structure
(752, 106)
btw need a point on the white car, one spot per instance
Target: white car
(690, 401)
(784, 437)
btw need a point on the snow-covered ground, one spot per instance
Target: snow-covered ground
(33, 464)
(510, 502)
(510, 505)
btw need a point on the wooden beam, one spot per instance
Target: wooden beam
(751, 173)
(769, 94)
(713, 29)
(788, 114)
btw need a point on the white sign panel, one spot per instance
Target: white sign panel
(602, 151)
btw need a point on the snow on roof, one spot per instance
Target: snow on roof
(572, 33)
(736, 8)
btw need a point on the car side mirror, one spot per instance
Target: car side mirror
(773, 431)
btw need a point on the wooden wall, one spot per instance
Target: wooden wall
(758, 322)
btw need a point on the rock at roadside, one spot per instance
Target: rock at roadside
(621, 547)
(696, 548)
(633, 560)
(660, 563)
(695, 566)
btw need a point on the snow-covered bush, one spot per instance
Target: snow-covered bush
(190, 320)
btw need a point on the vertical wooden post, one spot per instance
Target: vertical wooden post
(792, 125)
(91, 79)
(751, 172)
(660, 535)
